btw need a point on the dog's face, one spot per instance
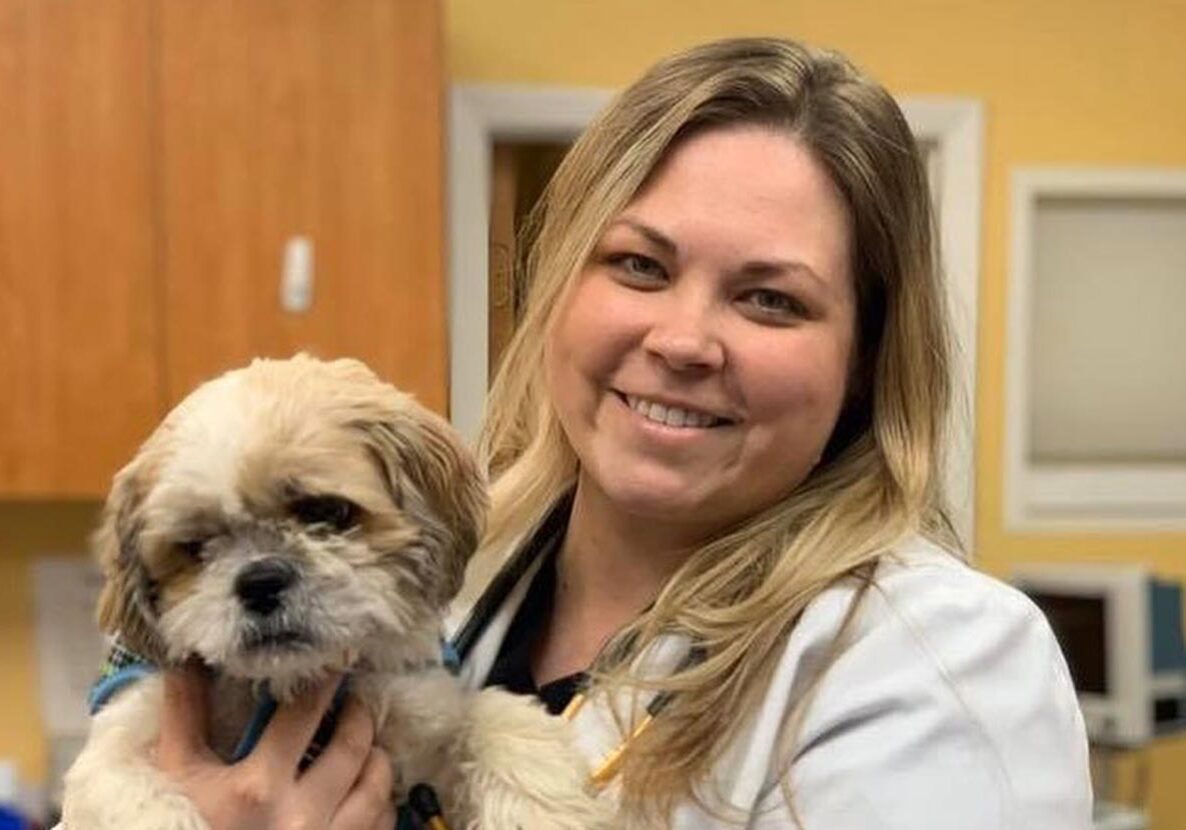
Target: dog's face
(287, 514)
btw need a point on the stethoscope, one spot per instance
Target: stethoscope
(541, 544)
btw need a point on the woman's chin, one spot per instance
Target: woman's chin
(662, 499)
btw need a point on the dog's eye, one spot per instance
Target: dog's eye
(192, 547)
(338, 513)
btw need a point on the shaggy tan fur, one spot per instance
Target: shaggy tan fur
(370, 507)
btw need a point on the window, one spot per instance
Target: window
(1096, 419)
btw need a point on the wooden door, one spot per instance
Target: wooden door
(303, 118)
(503, 254)
(79, 378)
(519, 173)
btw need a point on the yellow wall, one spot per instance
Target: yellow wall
(1085, 82)
(1062, 81)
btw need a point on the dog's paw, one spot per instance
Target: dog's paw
(522, 769)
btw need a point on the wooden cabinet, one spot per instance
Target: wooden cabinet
(315, 118)
(156, 157)
(80, 381)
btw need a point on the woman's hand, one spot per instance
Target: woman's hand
(348, 787)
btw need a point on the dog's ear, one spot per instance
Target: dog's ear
(435, 478)
(126, 604)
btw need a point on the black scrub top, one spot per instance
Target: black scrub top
(512, 665)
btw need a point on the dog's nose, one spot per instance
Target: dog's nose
(260, 584)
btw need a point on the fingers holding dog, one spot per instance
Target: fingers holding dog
(184, 719)
(343, 762)
(348, 787)
(292, 728)
(368, 805)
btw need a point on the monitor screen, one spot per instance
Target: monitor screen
(1080, 624)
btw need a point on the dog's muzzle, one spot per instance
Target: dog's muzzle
(260, 586)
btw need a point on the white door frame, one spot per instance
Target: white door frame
(481, 114)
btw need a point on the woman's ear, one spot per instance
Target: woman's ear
(126, 604)
(435, 479)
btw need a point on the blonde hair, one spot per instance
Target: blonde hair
(739, 596)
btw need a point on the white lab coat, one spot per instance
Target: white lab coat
(952, 709)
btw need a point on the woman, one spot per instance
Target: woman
(716, 441)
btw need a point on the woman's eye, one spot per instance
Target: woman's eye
(638, 268)
(332, 511)
(771, 303)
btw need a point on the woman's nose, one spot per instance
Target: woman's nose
(683, 335)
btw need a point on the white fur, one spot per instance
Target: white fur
(518, 772)
(113, 784)
(209, 444)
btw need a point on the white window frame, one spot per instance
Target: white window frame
(481, 114)
(1060, 497)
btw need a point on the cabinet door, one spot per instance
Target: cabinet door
(79, 381)
(303, 118)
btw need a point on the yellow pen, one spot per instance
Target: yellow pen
(612, 762)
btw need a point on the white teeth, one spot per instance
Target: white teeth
(671, 416)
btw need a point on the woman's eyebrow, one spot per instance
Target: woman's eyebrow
(764, 269)
(653, 235)
(754, 269)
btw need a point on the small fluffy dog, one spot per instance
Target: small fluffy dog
(290, 519)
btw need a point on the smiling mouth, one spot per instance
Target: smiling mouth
(672, 416)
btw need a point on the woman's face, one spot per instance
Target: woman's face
(699, 363)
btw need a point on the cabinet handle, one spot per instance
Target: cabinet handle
(296, 277)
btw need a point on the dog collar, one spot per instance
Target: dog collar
(266, 707)
(121, 668)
